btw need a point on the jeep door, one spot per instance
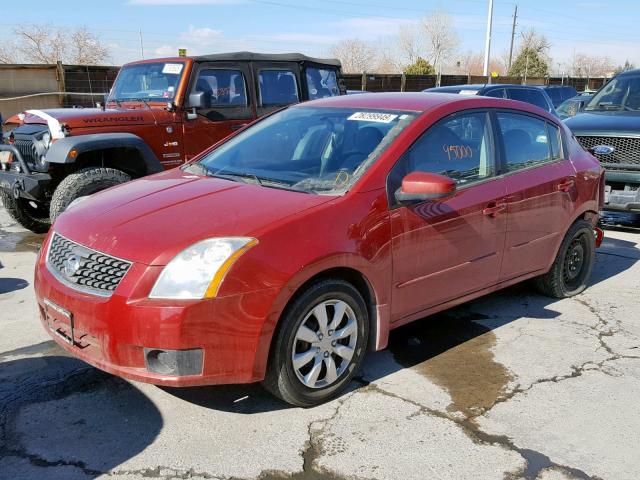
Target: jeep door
(445, 249)
(540, 191)
(229, 104)
(277, 84)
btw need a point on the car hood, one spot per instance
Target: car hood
(90, 117)
(604, 123)
(152, 219)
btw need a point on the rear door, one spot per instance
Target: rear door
(540, 184)
(277, 84)
(444, 249)
(229, 104)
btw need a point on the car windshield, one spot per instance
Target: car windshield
(313, 150)
(621, 93)
(147, 81)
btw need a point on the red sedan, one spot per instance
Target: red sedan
(287, 251)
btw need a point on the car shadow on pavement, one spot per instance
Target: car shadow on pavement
(59, 416)
(8, 285)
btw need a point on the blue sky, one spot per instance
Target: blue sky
(209, 26)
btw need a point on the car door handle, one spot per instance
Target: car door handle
(566, 185)
(238, 126)
(494, 209)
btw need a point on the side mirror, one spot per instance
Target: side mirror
(420, 186)
(196, 100)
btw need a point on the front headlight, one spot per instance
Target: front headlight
(198, 270)
(46, 139)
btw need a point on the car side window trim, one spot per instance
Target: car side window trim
(492, 154)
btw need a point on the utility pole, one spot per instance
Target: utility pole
(513, 34)
(487, 41)
(141, 46)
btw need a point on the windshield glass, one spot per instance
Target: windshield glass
(147, 81)
(621, 93)
(314, 150)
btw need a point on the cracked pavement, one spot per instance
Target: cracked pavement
(510, 386)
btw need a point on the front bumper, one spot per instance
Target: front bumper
(622, 191)
(117, 334)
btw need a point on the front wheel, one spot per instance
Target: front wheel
(319, 345)
(572, 266)
(31, 215)
(84, 182)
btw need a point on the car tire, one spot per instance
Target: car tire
(31, 215)
(285, 378)
(573, 264)
(81, 183)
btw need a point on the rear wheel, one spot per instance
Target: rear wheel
(320, 344)
(572, 267)
(31, 215)
(84, 182)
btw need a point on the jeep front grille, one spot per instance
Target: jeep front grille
(625, 155)
(84, 269)
(27, 149)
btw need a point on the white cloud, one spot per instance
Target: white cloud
(200, 36)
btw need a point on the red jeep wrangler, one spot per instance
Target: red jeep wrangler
(159, 114)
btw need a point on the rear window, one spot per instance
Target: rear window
(322, 82)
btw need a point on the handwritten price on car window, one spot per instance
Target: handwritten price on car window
(456, 152)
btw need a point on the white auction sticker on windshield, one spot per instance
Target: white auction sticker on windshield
(172, 68)
(373, 117)
(468, 92)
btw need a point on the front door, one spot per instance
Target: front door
(448, 248)
(540, 192)
(228, 105)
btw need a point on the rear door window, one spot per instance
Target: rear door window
(496, 93)
(526, 141)
(529, 95)
(321, 82)
(277, 87)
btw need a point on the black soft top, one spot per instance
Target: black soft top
(264, 57)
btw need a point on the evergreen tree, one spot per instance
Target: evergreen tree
(529, 63)
(419, 67)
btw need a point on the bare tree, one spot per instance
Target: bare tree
(585, 65)
(48, 44)
(441, 37)
(410, 44)
(473, 63)
(355, 55)
(86, 49)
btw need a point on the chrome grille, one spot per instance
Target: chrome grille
(83, 268)
(626, 153)
(27, 149)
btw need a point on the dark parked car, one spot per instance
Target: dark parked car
(569, 108)
(524, 93)
(560, 93)
(609, 125)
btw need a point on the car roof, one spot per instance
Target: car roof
(410, 101)
(264, 57)
(246, 57)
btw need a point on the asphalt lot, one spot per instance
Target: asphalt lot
(514, 385)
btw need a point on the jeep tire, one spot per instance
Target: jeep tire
(31, 215)
(81, 183)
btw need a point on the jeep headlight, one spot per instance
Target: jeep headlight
(198, 271)
(46, 140)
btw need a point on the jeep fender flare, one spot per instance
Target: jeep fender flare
(60, 150)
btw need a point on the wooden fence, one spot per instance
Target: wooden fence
(374, 82)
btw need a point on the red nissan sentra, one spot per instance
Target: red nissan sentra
(287, 251)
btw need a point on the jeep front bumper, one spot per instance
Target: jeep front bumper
(21, 182)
